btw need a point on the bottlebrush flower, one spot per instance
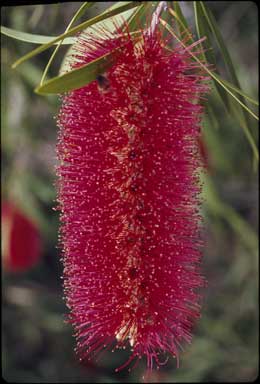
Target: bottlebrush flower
(128, 190)
(21, 240)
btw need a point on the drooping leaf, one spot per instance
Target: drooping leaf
(235, 86)
(65, 64)
(220, 41)
(118, 20)
(82, 9)
(207, 53)
(109, 25)
(77, 77)
(77, 15)
(216, 78)
(139, 17)
(238, 112)
(183, 24)
(76, 29)
(212, 74)
(32, 38)
(235, 89)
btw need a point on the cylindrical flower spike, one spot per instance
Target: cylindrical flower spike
(129, 197)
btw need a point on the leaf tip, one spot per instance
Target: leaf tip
(38, 90)
(14, 65)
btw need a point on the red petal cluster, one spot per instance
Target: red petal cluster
(21, 240)
(129, 197)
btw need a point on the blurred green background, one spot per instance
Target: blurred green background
(37, 344)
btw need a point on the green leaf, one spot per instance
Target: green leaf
(118, 19)
(134, 18)
(181, 22)
(220, 41)
(77, 15)
(180, 17)
(224, 51)
(141, 15)
(241, 116)
(208, 54)
(82, 10)
(80, 77)
(32, 38)
(118, 4)
(212, 74)
(65, 64)
(77, 77)
(76, 29)
(109, 24)
(233, 88)
(241, 120)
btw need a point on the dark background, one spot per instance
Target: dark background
(37, 345)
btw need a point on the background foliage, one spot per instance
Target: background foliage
(37, 343)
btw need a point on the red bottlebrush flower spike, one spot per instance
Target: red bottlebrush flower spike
(21, 240)
(129, 196)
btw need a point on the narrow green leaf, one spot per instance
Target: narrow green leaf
(235, 89)
(181, 18)
(80, 77)
(212, 74)
(76, 29)
(141, 16)
(244, 126)
(239, 115)
(82, 9)
(181, 22)
(109, 24)
(243, 119)
(167, 17)
(65, 64)
(208, 54)
(202, 30)
(132, 19)
(118, 4)
(32, 38)
(220, 41)
(77, 15)
(77, 77)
